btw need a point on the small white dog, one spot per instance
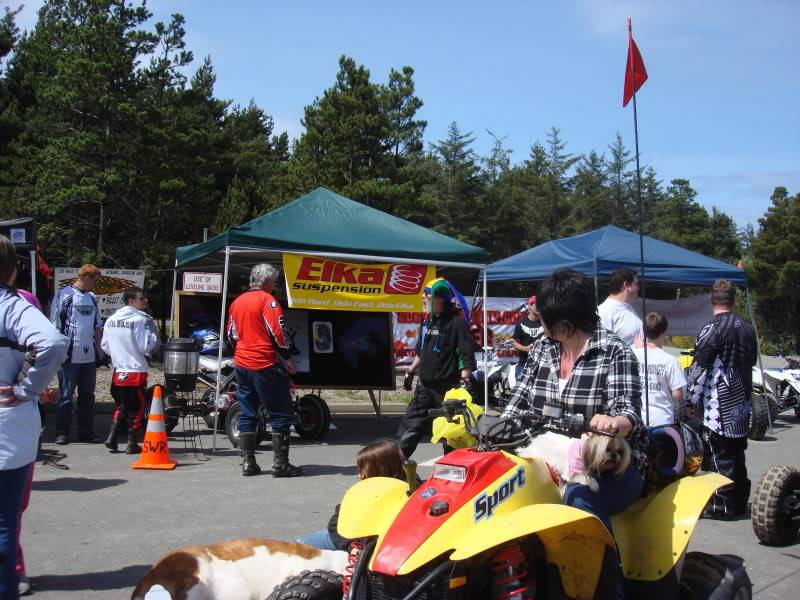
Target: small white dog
(580, 460)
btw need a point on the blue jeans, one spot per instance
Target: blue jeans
(614, 495)
(83, 377)
(269, 387)
(12, 488)
(319, 539)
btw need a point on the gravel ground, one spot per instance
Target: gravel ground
(156, 374)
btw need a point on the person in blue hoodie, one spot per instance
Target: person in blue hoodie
(31, 351)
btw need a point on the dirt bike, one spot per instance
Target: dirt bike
(776, 506)
(760, 403)
(488, 524)
(782, 388)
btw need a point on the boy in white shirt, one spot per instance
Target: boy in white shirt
(665, 378)
(616, 312)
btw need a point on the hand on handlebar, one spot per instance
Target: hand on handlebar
(605, 425)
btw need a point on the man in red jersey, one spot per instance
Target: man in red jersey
(263, 364)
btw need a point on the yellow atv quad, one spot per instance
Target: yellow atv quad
(488, 524)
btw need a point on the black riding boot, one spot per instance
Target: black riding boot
(111, 440)
(281, 467)
(247, 443)
(133, 447)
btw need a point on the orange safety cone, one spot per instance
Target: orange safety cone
(155, 449)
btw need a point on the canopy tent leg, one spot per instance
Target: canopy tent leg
(596, 291)
(485, 347)
(221, 343)
(172, 304)
(33, 272)
(758, 350)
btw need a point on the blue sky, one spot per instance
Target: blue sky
(721, 107)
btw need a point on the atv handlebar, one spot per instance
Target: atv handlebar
(492, 432)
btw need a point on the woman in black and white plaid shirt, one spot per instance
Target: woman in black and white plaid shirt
(587, 370)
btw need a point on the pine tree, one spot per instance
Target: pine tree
(620, 180)
(775, 268)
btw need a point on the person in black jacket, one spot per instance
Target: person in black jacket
(721, 381)
(444, 360)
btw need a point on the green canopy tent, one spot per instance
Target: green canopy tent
(323, 223)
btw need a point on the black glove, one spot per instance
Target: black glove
(408, 381)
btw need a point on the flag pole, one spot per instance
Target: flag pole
(641, 232)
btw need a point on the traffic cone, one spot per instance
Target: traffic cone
(155, 449)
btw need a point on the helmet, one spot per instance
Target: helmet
(666, 451)
(206, 340)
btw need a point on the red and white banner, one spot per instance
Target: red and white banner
(502, 315)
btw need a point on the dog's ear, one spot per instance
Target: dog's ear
(593, 451)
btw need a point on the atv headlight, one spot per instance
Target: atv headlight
(449, 473)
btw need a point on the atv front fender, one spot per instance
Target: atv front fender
(574, 541)
(370, 506)
(653, 534)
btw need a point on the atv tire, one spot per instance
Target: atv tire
(313, 417)
(232, 426)
(759, 418)
(310, 585)
(714, 577)
(777, 493)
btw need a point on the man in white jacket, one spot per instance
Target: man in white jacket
(129, 337)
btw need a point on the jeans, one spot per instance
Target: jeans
(319, 539)
(269, 387)
(12, 488)
(26, 498)
(83, 377)
(613, 496)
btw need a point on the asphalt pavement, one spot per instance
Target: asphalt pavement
(95, 525)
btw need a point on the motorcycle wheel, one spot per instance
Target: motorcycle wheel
(776, 502)
(718, 577)
(313, 417)
(310, 585)
(759, 418)
(232, 426)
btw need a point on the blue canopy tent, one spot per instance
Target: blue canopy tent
(600, 252)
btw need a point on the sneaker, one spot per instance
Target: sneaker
(24, 586)
(61, 439)
(89, 439)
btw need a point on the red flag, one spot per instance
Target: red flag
(635, 73)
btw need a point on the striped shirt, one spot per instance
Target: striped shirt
(605, 380)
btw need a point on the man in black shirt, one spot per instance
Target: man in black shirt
(445, 358)
(528, 330)
(721, 379)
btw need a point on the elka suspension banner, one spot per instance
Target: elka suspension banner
(319, 283)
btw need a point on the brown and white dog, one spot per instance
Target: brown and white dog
(247, 569)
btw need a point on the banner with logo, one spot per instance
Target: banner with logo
(502, 315)
(319, 283)
(109, 287)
